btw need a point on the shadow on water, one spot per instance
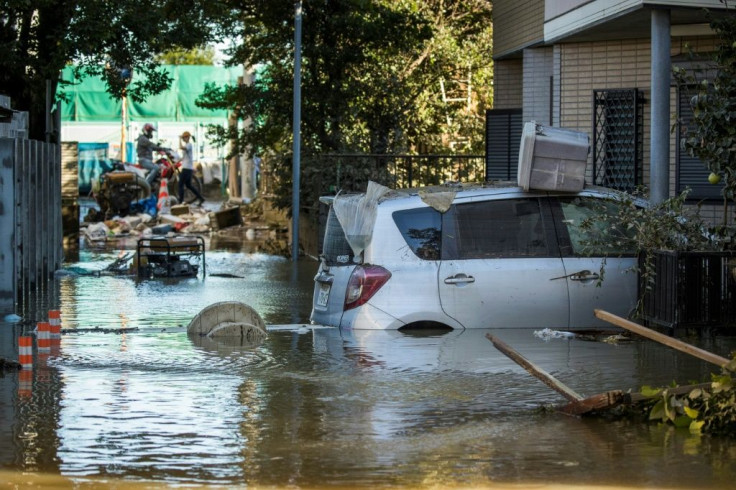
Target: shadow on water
(313, 407)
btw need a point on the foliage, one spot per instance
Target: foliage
(107, 38)
(372, 72)
(644, 228)
(200, 55)
(701, 410)
(711, 137)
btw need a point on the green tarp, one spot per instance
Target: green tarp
(88, 101)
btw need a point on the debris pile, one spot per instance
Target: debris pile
(232, 218)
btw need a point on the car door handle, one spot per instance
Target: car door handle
(459, 279)
(585, 275)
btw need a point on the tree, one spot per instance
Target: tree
(195, 56)
(107, 38)
(371, 78)
(711, 136)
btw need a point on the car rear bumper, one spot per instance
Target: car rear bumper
(368, 317)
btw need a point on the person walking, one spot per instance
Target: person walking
(144, 149)
(187, 168)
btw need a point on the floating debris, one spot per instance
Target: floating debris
(548, 334)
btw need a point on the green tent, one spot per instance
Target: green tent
(88, 102)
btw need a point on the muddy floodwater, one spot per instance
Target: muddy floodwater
(316, 407)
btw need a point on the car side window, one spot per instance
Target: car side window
(496, 229)
(592, 227)
(421, 229)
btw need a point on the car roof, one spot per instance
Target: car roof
(463, 190)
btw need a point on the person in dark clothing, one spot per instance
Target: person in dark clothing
(144, 149)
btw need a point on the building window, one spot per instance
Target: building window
(617, 138)
(691, 171)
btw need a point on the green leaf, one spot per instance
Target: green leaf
(696, 426)
(658, 411)
(691, 412)
(650, 392)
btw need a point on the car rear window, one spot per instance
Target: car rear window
(421, 229)
(335, 247)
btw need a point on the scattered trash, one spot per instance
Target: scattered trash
(7, 364)
(548, 334)
(12, 318)
(99, 330)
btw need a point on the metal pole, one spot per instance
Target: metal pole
(660, 109)
(296, 163)
(124, 122)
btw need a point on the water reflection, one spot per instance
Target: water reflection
(311, 407)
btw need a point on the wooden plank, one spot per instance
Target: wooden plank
(661, 338)
(534, 370)
(601, 401)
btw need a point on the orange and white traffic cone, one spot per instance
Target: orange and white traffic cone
(164, 200)
(55, 331)
(25, 358)
(43, 337)
(25, 352)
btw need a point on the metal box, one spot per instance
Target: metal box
(552, 159)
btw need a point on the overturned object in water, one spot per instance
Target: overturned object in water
(229, 319)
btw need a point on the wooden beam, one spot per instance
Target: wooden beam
(601, 401)
(534, 370)
(661, 338)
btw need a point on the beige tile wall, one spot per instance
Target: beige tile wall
(584, 67)
(516, 25)
(507, 84)
(538, 69)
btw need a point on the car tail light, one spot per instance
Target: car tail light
(364, 282)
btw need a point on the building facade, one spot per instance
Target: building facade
(604, 67)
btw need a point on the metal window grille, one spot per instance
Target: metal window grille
(617, 138)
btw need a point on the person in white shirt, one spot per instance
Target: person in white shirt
(187, 168)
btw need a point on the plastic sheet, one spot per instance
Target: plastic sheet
(357, 215)
(439, 200)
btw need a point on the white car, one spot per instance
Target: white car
(472, 256)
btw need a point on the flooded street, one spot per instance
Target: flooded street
(317, 407)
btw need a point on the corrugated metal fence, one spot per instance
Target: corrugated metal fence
(30, 219)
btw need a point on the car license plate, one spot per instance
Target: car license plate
(323, 295)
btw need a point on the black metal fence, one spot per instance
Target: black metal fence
(353, 171)
(691, 289)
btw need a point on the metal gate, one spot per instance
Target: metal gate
(30, 219)
(617, 138)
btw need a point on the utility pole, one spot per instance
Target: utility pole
(296, 162)
(248, 177)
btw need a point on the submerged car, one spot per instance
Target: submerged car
(473, 256)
